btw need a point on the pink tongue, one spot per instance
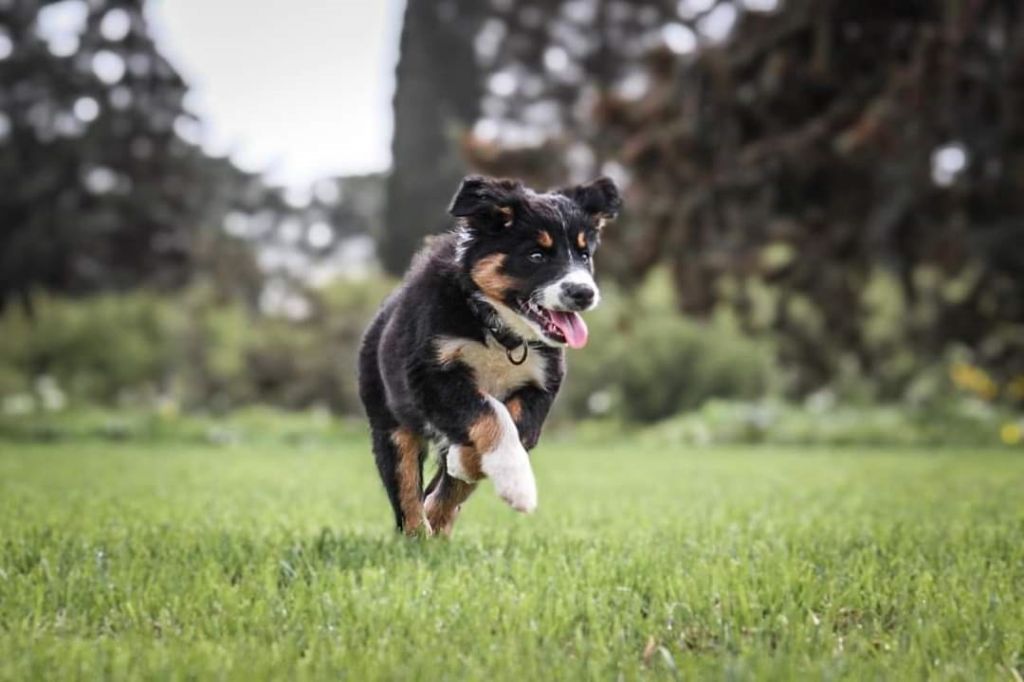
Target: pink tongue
(572, 326)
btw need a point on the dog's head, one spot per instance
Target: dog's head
(530, 255)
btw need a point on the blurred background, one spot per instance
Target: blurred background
(202, 204)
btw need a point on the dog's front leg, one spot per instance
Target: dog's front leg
(529, 408)
(484, 441)
(495, 451)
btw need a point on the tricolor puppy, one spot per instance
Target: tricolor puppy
(469, 351)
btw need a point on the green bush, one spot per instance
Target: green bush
(198, 350)
(93, 348)
(244, 426)
(957, 421)
(195, 350)
(645, 362)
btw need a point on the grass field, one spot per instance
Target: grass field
(272, 561)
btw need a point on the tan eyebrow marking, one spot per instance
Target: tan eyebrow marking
(507, 212)
(544, 239)
(581, 240)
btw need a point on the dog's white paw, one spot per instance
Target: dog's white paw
(507, 464)
(513, 478)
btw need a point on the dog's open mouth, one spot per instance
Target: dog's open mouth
(561, 326)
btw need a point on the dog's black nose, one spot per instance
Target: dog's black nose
(580, 295)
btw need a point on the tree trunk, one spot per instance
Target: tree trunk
(437, 96)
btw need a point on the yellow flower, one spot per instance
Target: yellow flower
(974, 380)
(1011, 433)
(1015, 389)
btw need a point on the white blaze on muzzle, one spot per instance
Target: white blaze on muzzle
(553, 296)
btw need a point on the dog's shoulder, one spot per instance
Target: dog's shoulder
(430, 301)
(436, 260)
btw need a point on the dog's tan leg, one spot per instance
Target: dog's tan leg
(445, 502)
(410, 448)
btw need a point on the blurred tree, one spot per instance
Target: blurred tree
(546, 63)
(98, 187)
(809, 164)
(105, 186)
(436, 98)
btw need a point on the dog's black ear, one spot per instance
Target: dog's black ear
(487, 201)
(599, 198)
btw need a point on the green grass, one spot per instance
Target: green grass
(276, 561)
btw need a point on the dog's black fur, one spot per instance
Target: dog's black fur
(451, 336)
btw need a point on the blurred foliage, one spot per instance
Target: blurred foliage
(99, 190)
(830, 147)
(106, 186)
(957, 421)
(645, 362)
(198, 351)
(244, 426)
(844, 177)
(191, 350)
(838, 181)
(95, 348)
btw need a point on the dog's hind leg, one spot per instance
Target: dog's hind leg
(386, 456)
(445, 496)
(399, 453)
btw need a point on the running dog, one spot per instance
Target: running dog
(469, 351)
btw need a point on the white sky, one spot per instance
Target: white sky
(300, 89)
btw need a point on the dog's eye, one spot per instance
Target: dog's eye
(585, 256)
(537, 257)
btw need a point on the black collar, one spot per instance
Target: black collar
(516, 347)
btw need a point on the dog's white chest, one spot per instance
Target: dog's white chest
(494, 373)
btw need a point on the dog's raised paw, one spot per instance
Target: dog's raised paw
(517, 487)
(525, 503)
